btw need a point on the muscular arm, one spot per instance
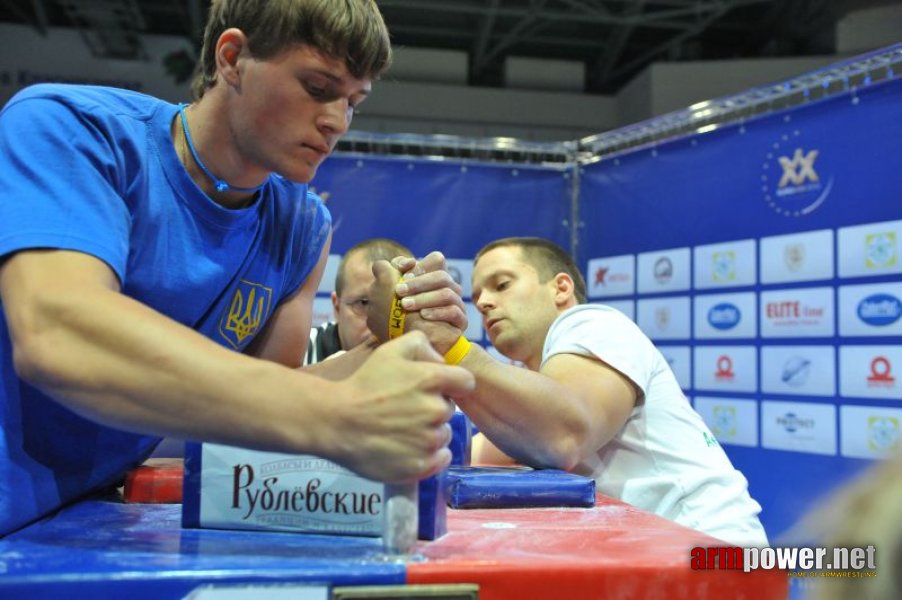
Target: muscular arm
(122, 364)
(551, 418)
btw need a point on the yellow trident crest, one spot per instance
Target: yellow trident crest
(249, 309)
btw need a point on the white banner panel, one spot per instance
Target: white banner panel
(611, 276)
(799, 427)
(728, 264)
(870, 431)
(871, 249)
(870, 309)
(627, 307)
(327, 283)
(322, 311)
(725, 368)
(870, 372)
(797, 313)
(732, 421)
(804, 370)
(804, 256)
(664, 318)
(725, 316)
(664, 271)
(680, 360)
(461, 270)
(474, 330)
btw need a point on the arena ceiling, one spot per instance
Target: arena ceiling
(615, 39)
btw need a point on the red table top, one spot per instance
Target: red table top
(610, 551)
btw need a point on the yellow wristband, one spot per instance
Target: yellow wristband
(458, 351)
(396, 317)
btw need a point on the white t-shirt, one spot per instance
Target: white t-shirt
(665, 459)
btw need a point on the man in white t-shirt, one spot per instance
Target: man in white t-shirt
(597, 398)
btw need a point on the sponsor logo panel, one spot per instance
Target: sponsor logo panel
(872, 249)
(725, 316)
(870, 309)
(725, 368)
(732, 421)
(611, 276)
(798, 427)
(680, 360)
(803, 370)
(870, 431)
(870, 372)
(797, 257)
(664, 271)
(797, 313)
(727, 264)
(664, 318)
(793, 182)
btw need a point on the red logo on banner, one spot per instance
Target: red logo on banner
(600, 274)
(881, 373)
(724, 368)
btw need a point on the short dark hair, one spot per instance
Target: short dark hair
(546, 257)
(352, 30)
(374, 249)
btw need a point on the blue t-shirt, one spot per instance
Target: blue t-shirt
(94, 170)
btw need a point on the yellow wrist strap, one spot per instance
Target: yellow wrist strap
(458, 351)
(396, 317)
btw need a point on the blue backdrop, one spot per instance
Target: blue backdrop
(788, 228)
(821, 168)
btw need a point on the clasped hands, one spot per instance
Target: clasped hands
(430, 297)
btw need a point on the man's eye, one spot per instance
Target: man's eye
(316, 91)
(363, 302)
(502, 285)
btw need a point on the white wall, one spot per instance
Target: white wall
(425, 91)
(869, 28)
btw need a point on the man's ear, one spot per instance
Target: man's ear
(335, 302)
(564, 289)
(229, 48)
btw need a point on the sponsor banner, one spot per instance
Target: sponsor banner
(322, 311)
(871, 249)
(804, 370)
(797, 313)
(729, 264)
(799, 427)
(870, 372)
(725, 316)
(794, 182)
(664, 318)
(732, 421)
(870, 431)
(611, 276)
(797, 257)
(680, 360)
(664, 271)
(461, 271)
(627, 307)
(870, 310)
(327, 283)
(474, 330)
(725, 368)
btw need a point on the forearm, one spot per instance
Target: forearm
(153, 375)
(527, 415)
(341, 367)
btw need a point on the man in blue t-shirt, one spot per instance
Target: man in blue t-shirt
(158, 265)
